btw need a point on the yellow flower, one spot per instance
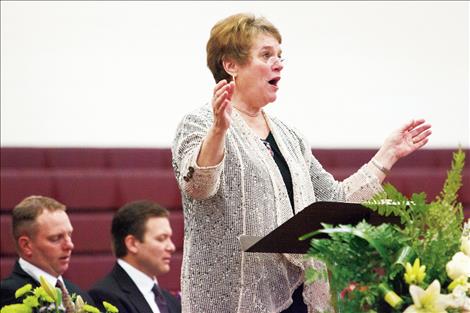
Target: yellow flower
(31, 301)
(414, 274)
(427, 301)
(79, 304)
(41, 293)
(21, 291)
(459, 281)
(90, 309)
(110, 308)
(16, 308)
(51, 291)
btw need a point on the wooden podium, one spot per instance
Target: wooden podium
(285, 238)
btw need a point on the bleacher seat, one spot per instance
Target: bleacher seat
(177, 225)
(6, 239)
(158, 185)
(92, 232)
(23, 157)
(86, 188)
(140, 158)
(95, 182)
(79, 158)
(17, 184)
(171, 280)
(85, 270)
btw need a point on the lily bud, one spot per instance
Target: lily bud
(51, 291)
(390, 296)
(414, 274)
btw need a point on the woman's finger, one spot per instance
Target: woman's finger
(219, 85)
(422, 136)
(412, 124)
(219, 97)
(219, 102)
(420, 129)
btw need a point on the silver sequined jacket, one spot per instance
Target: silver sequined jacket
(245, 194)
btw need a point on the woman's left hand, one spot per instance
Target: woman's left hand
(405, 140)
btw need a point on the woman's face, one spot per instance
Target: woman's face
(257, 81)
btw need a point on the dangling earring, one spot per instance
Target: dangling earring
(234, 76)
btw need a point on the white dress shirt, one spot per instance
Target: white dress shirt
(143, 282)
(35, 272)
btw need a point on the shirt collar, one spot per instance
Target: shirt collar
(142, 280)
(35, 272)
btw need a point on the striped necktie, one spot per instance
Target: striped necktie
(66, 300)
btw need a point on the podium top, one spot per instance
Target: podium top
(285, 238)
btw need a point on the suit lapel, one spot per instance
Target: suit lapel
(22, 275)
(129, 287)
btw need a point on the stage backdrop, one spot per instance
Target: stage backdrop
(123, 73)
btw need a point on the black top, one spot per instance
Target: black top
(281, 163)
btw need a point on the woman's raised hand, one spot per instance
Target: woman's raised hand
(409, 138)
(403, 141)
(212, 149)
(221, 104)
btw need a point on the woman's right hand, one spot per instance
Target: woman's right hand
(212, 149)
(221, 105)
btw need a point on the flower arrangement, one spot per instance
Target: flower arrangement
(419, 265)
(47, 299)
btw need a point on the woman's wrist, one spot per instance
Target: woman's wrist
(216, 131)
(212, 148)
(384, 160)
(380, 167)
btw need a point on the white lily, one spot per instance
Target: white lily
(458, 299)
(458, 266)
(465, 245)
(427, 301)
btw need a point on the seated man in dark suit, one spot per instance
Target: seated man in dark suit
(141, 235)
(42, 233)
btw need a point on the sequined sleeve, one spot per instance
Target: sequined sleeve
(360, 186)
(196, 182)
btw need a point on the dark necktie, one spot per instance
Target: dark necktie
(66, 300)
(160, 300)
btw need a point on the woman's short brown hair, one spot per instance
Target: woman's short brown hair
(233, 38)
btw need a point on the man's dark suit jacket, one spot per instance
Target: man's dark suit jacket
(18, 278)
(120, 290)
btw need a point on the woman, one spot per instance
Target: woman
(243, 172)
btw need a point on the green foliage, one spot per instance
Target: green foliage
(438, 224)
(352, 254)
(39, 300)
(361, 257)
